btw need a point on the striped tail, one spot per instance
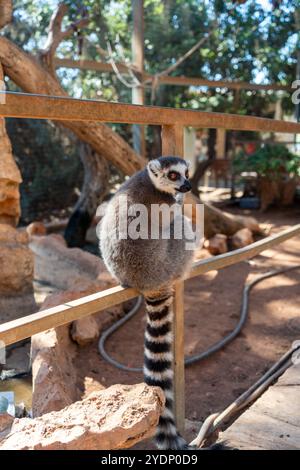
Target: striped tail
(158, 367)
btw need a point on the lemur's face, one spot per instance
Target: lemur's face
(170, 175)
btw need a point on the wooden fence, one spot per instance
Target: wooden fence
(173, 121)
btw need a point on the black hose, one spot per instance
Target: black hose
(107, 333)
(214, 347)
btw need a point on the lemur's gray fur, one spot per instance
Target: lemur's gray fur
(151, 266)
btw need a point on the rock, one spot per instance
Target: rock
(217, 244)
(17, 359)
(16, 305)
(201, 253)
(53, 373)
(85, 330)
(10, 178)
(88, 286)
(59, 238)
(115, 418)
(88, 329)
(55, 383)
(61, 266)
(91, 385)
(9, 234)
(242, 238)
(36, 229)
(6, 421)
(9, 202)
(16, 262)
(16, 276)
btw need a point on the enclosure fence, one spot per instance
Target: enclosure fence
(172, 121)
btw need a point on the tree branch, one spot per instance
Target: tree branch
(31, 77)
(5, 12)
(56, 35)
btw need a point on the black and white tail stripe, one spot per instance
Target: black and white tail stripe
(158, 369)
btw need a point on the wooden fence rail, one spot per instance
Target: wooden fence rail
(167, 79)
(173, 121)
(22, 328)
(24, 105)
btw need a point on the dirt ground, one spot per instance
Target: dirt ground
(212, 307)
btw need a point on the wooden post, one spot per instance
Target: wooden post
(172, 145)
(220, 170)
(137, 46)
(221, 144)
(172, 140)
(179, 380)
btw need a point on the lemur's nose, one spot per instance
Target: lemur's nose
(186, 186)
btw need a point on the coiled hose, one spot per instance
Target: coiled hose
(213, 348)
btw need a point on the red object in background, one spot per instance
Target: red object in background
(250, 148)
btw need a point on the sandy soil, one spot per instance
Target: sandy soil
(212, 309)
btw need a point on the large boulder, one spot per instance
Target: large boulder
(60, 266)
(16, 276)
(16, 260)
(115, 418)
(10, 179)
(16, 263)
(9, 234)
(54, 374)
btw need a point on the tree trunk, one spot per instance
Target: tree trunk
(95, 187)
(199, 172)
(105, 144)
(204, 165)
(31, 77)
(217, 221)
(5, 12)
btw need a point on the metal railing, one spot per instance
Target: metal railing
(173, 121)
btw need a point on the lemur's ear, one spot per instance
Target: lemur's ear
(154, 166)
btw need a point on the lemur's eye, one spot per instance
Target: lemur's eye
(173, 176)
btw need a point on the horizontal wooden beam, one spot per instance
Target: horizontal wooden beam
(89, 65)
(200, 82)
(248, 252)
(24, 327)
(23, 105)
(99, 66)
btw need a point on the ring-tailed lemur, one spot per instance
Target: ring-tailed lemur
(151, 265)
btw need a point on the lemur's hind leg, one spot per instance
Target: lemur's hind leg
(158, 362)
